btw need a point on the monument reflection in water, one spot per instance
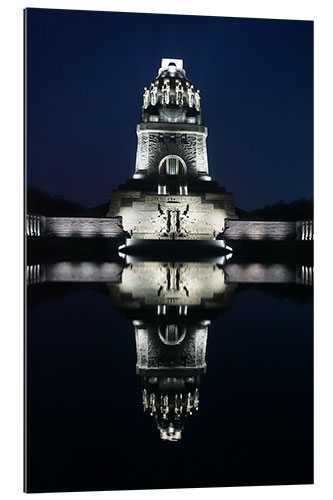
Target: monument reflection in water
(171, 306)
(90, 323)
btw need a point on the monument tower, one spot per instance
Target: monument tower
(171, 194)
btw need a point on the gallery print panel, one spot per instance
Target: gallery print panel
(169, 251)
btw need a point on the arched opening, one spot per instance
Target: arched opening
(172, 334)
(172, 175)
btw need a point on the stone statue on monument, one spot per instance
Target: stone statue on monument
(166, 92)
(179, 93)
(153, 94)
(197, 100)
(146, 96)
(190, 93)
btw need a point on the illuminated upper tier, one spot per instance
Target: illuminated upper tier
(171, 135)
(171, 97)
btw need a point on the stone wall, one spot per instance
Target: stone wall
(193, 217)
(83, 227)
(304, 230)
(168, 217)
(153, 146)
(35, 225)
(259, 230)
(142, 152)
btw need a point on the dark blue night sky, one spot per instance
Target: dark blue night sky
(85, 77)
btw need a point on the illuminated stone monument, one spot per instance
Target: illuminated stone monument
(171, 194)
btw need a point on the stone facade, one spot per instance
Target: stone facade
(153, 216)
(156, 144)
(83, 227)
(172, 195)
(259, 230)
